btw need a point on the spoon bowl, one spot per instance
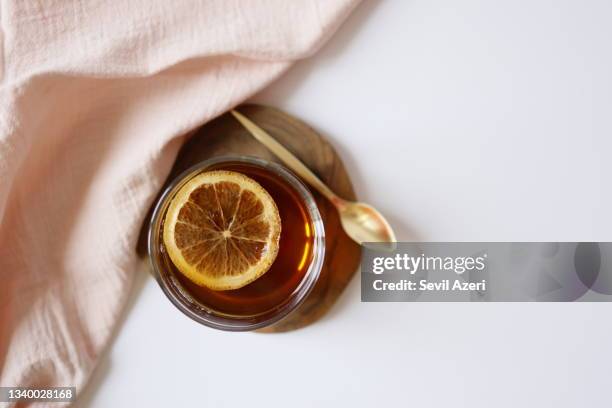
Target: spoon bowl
(364, 224)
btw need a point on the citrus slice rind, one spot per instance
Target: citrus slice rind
(222, 230)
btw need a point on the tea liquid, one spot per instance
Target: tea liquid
(294, 255)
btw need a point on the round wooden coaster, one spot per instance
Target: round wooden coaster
(226, 136)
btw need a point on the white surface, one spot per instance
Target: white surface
(472, 120)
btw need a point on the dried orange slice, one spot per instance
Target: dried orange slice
(222, 230)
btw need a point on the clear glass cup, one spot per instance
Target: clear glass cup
(178, 291)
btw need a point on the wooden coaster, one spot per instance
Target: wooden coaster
(226, 136)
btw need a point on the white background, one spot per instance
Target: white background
(460, 120)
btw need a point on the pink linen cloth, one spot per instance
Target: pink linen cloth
(94, 97)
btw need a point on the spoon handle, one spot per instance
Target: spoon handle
(287, 157)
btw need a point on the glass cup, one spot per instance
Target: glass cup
(288, 281)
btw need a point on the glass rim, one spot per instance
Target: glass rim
(207, 316)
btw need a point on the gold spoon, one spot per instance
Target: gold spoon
(361, 222)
